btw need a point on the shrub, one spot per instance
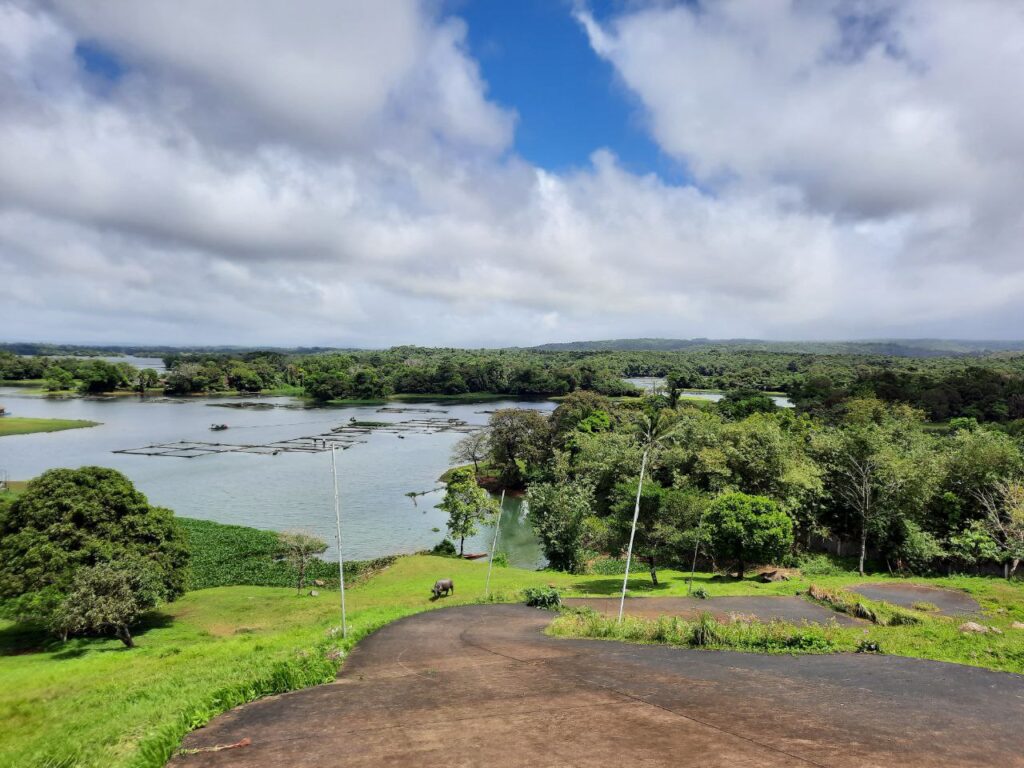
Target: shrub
(824, 565)
(501, 559)
(542, 597)
(706, 631)
(445, 549)
(868, 646)
(701, 594)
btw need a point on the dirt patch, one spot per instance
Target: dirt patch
(948, 602)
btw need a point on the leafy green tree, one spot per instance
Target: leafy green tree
(59, 379)
(558, 512)
(664, 526)
(740, 403)
(146, 378)
(1004, 505)
(109, 598)
(581, 411)
(299, 549)
(68, 519)
(972, 545)
(747, 530)
(466, 504)
(101, 376)
(520, 440)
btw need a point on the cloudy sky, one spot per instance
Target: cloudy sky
(480, 172)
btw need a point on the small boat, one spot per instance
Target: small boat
(218, 427)
(474, 556)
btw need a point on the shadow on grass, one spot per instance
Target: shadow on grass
(31, 637)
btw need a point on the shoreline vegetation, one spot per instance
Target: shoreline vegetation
(21, 425)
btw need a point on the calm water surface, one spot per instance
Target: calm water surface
(654, 384)
(283, 492)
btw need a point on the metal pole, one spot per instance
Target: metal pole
(632, 533)
(696, 544)
(494, 544)
(337, 520)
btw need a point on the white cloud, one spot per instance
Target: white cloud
(340, 176)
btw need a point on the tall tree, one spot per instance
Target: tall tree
(299, 549)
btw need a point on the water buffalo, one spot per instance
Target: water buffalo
(443, 586)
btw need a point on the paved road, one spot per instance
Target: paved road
(482, 685)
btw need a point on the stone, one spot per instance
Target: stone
(777, 575)
(1017, 625)
(973, 626)
(319, 583)
(313, 593)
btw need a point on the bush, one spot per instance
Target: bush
(825, 565)
(501, 559)
(445, 549)
(748, 529)
(69, 519)
(701, 594)
(542, 597)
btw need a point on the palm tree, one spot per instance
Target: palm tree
(657, 428)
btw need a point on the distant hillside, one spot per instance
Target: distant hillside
(887, 347)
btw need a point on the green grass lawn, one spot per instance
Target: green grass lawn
(91, 702)
(19, 425)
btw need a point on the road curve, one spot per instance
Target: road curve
(482, 685)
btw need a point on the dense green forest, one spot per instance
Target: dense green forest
(743, 482)
(985, 387)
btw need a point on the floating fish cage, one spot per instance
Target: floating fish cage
(343, 437)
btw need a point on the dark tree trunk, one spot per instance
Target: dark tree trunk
(462, 544)
(654, 572)
(740, 569)
(125, 636)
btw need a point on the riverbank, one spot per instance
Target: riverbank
(19, 425)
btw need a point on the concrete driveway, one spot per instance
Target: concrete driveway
(482, 685)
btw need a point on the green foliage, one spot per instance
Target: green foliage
(519, 442)
(701, 594)
(542, 597)
(445, 549)
(748, 529)
(558, 513)
(501, 559)
(224, 555)
(825, 565)
(108, 598)
(705, 632)
(466, 504)
(741, 403)
(69, 519)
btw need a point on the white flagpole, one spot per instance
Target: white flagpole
(337, 520)
(494, 544)
(632, 533)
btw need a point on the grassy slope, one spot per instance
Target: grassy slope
(93, 703)
(19, 425)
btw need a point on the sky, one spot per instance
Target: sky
(492, 173)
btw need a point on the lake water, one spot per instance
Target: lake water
(283, 492)
(654, 383)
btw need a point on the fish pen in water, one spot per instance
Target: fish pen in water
(343, 437)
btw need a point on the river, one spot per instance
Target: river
(288, 491)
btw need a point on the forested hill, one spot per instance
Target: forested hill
(889, 347)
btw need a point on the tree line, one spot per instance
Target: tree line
(743, 482)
